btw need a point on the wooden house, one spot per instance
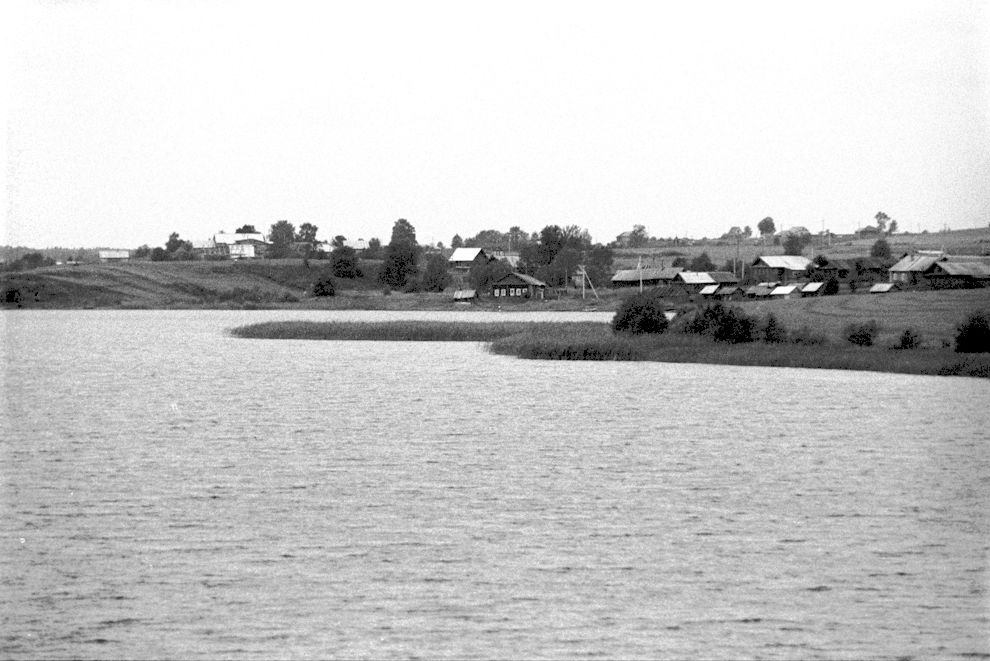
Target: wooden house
(463, 259)
(780, 268)
(515, 286)
(649, 277)
(958, 275)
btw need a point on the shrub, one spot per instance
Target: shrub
(973, 335)
(722, 323)
(324, 286)
(772, 331)
(862, 334)
(909, 339)
(641, 313)
(831, 286)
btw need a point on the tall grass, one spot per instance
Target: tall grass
(390, 331)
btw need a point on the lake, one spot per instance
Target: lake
(169, 491)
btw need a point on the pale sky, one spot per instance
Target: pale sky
(130, 120)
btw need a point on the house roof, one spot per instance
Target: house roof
(228, 239)
(467, 254)
(882, 287)
(633, 275)
(462, 294)
(969, 269)
(784, 290)
(789, 262)
(708, 290)
(695, 278)
(914, 263)
(527, 279)
(758, 290)
(812, 287)
(726, 290)
(723, 276)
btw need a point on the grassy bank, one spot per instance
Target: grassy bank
(595, 341)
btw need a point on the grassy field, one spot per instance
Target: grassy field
(960, 242)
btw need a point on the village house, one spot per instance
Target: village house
(780, 268)
(911, 268)
(650, 277)
(114, 255)
(692, 282)
(947, 274)
(255, 240)
(463, 259)
(209, 248)
(518, 286)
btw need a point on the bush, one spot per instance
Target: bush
(722, 323)
(973, 335)
(909, 339)
(862, 334)
(831, 286)
(641, 313)
(324, 286)
(772, 331)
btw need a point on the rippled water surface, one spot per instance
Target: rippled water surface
(171, 491)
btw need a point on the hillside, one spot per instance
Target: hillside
(165, 284)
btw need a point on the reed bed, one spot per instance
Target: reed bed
(387, 331)
(596, 341)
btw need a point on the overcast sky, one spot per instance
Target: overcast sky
(130, 120)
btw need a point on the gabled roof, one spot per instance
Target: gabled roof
(467, 254)
(883, 287)
(812, 287)
(464, 294)
(694, 278)
(914, 263)
(708, 290)
(727, 290)
(784, 290)
(969, 269)
(789, 262)
(634, 275)
(528, 279)
(228, 239)
(723, 276)
(758, 290)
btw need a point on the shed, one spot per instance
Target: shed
(959, 275)
(518, 285)
(884, 288)
(785, 291)
(758, 291)
(708, 290)
(813, 289)
(465, 295)
(726, 292)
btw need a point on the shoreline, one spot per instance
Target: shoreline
(595, 341)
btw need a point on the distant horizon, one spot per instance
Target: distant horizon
(755, 238)
(128, 121)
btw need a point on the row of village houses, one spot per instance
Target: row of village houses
(777, 276)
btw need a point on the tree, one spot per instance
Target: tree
(374, 250)
(159, 254)
(880, 249)
(482, 275)
(174, 243)
(344, 262)
(881, 219)
(892, 227)
(598, 264)
(435, 276)
(401, 255)
(766, 227)
(747, 231)
(638, 237)
(973, 335)
(246, 229)
(339, 241)
(641, 313)
(324, 286)
(702, 263)
(456, 242)
(142, 251)
(281, 237)
(306, 233)
(795, 242)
